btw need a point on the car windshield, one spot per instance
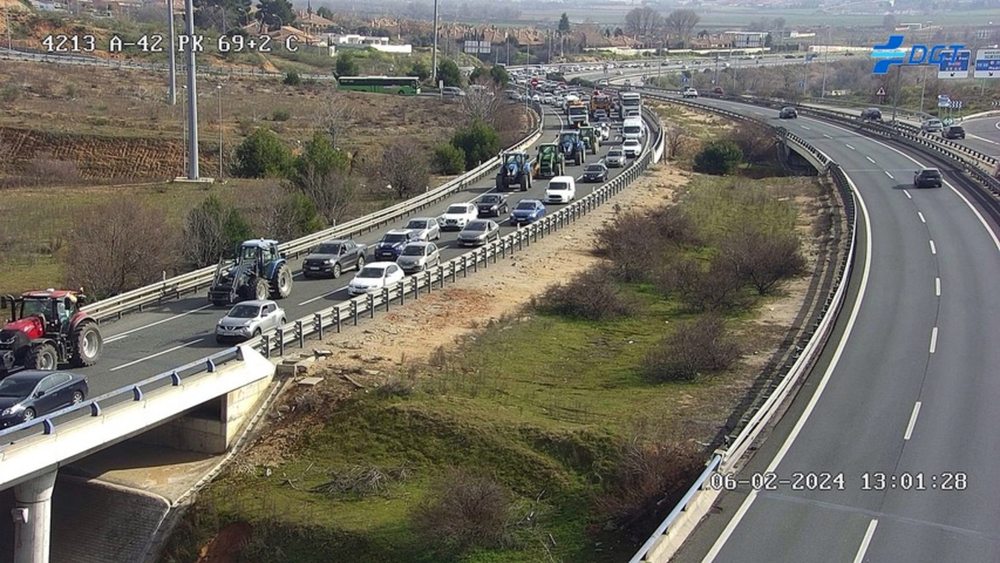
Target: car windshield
(526, 205)
(558, 186)
(930, 173)
(244, 312)
(328, 249)
(615, 152)
(371, 272)
(595, 168)
(631, 143)
(33, 307)
(14, 387)
(477, 226)
(458, 209)
(416, 224)
(395, 238)
(414, 250)
(489, 199)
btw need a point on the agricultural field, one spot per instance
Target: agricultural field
(84, 136)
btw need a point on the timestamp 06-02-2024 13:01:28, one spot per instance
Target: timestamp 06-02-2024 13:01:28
(828, 481)
(155, 43)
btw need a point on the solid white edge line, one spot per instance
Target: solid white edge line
(937, 286)
(887, 173)
(866, 541)
(121, 335)
(907, 193)
(913, 421)
(921, 215)
(728, 531)
(156, 355)
(933, 248)
(934, 334)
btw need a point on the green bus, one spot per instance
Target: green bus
(384, 84)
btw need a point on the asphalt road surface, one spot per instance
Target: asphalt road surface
(983, 135)
(907, 400)
(145, 344)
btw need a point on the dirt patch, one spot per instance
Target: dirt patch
(225, 546)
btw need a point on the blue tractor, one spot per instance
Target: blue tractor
(259, 271)
(573, 147)
(515, 171)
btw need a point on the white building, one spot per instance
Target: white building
(365, 42)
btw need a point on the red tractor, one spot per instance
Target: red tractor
(46, 329)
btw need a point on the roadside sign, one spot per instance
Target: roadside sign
(881, 91)
(947, 121)
(957, 68)
(944, 101)
(987, 64)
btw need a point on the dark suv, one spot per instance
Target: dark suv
(927, 178)
(871, 114)
(788, 113)
(953, 132)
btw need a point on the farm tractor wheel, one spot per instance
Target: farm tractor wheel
(258, 289)
(42, 357)
(87, 344)
(281, 283)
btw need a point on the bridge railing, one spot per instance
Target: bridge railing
(173, 288)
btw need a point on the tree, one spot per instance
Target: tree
(261, 155)
(500, 76)
(347, 65)
(643, 22)
(889, 22)
(118, 246)
(674, 137)
(449, 159)
(480, 142)
(322, 174)
(337, 115)
(486, 103)
(404, 168)
(479, 74)
(563, 24)
(762, 259)
(273, 14)
(680, 23)
(324, 12)
(212, 230)
(756, 141)
(420, 69)
(718, 158)
(448, 72)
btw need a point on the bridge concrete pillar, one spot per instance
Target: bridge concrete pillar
(33, 519)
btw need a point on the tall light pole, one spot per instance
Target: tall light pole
(6, 21)
(172, 71)
(192, 87)
(434, 52)
(184, 122)
(826, 57)
(219, 88)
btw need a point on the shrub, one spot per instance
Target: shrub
(292, 78)
(718, 158)
(762, 259)
(630, 245)
(713, 289)
(449, 72)
(593, 295)
(449, 159)
(479, 141)
(347, 65)
(261, 155)
(756, 142)
(212, 230)
(281, 114)
(464, 511)
(404, 167)
(695, 347)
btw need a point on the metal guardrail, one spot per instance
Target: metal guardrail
(49, 423)
(723, 460)
(172, 288)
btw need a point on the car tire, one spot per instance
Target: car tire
(256, 333)
(336, 270)
(29, 414)
(361, 262)
(77, 397)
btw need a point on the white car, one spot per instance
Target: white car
(249, 319)
(547, 99)
(375, 276)
(605, 131)
(632, 148)
(458, 216)
(615, 158)
(690, 92)
(561, 189)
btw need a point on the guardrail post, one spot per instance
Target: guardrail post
(318, 318)
(267, 345)
(371, 305)
(475, 261)
(280, 333)
(354, 311)
(301, 334)
(465, 267)
(402, 293)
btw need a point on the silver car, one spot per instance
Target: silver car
(479, 232)
(615, 158)
(427, 228)
(249, 319)
(418, 256)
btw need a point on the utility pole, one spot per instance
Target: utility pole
(923, 85)
(434, 53)
(192, 87)
(895, 94)
(172, 71)
(826, 57)
(219, 88)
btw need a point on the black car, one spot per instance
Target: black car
(333, 257)
(953, 132)
(871, 114)
(595, 173)
(788, 113)
(31, 393)
(492, 205)
(927, 178)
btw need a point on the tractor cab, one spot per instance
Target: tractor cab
(516, 158)
(47, 328)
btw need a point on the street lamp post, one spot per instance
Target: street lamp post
(219, 89)
(434, 52)
(826, 57)
(172, 71)
(185, 122)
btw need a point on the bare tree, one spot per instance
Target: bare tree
(332, 192)
(485, 100)
(119, 246)
(643, 22)
(680, 23)
(337, 117)
(756, 141)
(404, 168)
(675, 138)
(763, 259)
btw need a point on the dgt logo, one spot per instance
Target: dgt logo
(891, 54)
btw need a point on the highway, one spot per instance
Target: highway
(982, 134)
(909, 392)
(144, 344)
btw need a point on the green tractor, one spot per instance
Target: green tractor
(549, 163)
(260, 270)
(515, 171)
(591, 138)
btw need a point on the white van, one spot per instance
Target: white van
(561, 189)
(633, 128)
